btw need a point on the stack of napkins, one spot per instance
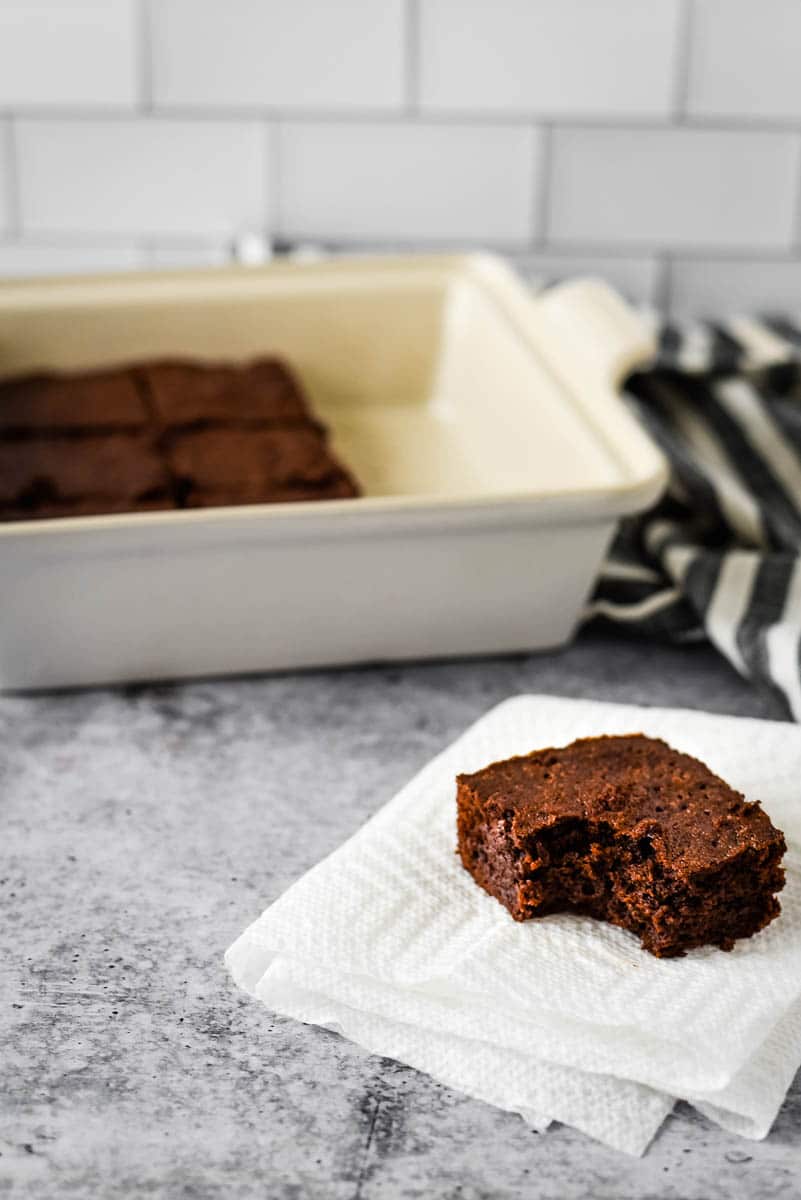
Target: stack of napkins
(390, 942)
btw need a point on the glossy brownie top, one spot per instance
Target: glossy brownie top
(34, 405)
(193, 395)
(161, 435)
(636, 785)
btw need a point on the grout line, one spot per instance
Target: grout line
(272, 218)
(743, 123)
(145, 55)
(697, 252)
(13, 194)
(105, 241)
(336, 244)
(411, 48)
(542, 199)
(153, 245)
(608, 123)
(663, 286)
(684, 52)
(172, 241)
(145, 247)
(795, 237)
(672, 255)
(795, 246)
(481, 117)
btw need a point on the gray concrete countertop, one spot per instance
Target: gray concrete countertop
(143, 828)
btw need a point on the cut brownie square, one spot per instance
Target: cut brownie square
(224, 466)
(629, 831)
(38, 405)
(110, 473)
(165, 434)
(193, 395)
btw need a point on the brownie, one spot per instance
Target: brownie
(110, 472)
(232, 466)
(160, 435)
(626, 830)
(61, 404)
(190, 395)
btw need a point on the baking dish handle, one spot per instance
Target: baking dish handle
(595, 331)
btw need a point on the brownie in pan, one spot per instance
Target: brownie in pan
(162, 435)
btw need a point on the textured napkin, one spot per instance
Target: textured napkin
(391, 943)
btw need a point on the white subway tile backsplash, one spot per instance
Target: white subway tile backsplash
(613, 57)
(68, 52)
(744, 59)
(402, 123)
(447, 183)
(25, 258)
(6, 167)
(286, 53)
(179, 258)
(674, 187)
(706, 288)
(141, 177)
(636, 278)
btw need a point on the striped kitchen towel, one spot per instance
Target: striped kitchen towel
(719, 558)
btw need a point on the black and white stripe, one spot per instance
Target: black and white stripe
(720, 556)
(736, 344)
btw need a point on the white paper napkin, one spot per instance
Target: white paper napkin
(390, 942)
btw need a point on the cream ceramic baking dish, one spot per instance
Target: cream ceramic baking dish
(484, 425)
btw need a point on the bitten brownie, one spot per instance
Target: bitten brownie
(161, 435)
(629, 831)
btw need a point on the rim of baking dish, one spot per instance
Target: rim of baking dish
(541, 322)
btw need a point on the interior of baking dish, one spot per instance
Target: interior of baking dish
(424, 368)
